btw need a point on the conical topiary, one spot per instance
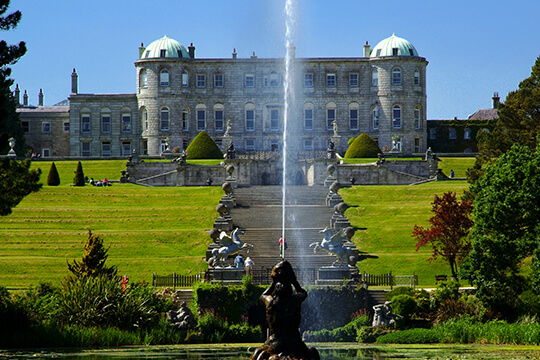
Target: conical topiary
(78, 180)
(53, 179)
(203, 147)
(363, 147)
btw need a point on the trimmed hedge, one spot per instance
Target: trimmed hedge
(203, 147)
(53, 179)
(78, 180)
(363, 147)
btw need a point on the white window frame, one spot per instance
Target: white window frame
(274, 79)
(126, 123)
(330, 119)
(274, 119)
(353, 120)
(308, 118)
(417, 77)
(201, 80)
(45, 153)
(164, 78)
(396, 117)
(86, 152)
(185, 120)
(219, 119)
(144, 78)
(308, 80)
(126, 151)
(354, 79)
(331, 80)
(201, 119)
(375, 77)
(452, 134)
(106, 152)
(46, 127)
(86, 123)
(396, 76)
(106, 124)
(307, 144)
(185, 78)
(218, 80)
(467, 134)
(375, 117)
(250, 144)
(145, 119)
(250, 119)
(417, 118)
(249, 81)
(164, 119)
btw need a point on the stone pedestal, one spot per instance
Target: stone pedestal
(332, 199)
(329, 180)
(227, 274)
(224, 223)
(228, 200)
(330, 275)
(226, 142)
(339, 221)
(336, 139)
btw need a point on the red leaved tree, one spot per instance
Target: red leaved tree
(448, 232)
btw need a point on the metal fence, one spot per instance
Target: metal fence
(174, 280)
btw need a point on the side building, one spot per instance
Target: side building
(382, 93)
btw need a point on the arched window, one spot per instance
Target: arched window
(308, 116)
(185, 79)
(143, 82)
(417, 117)
(396, 76)
(249, 111)
(396, 117)
(144, 119)
(375, 117)
(330, 115)
(416, 77)
(164, 78)
(165, 123)
(200, 110)
(353, 115)
(375, 77)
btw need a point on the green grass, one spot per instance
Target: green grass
(163, 229)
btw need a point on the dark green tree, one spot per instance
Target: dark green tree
(78, 180)
(363, 147)
(93, 260)
(203, 147)
(53, 179)
(506, 227)
(10, 126)
(518, 123)
(16, 181)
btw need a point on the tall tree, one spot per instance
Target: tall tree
(93, 260)
(507, 226)
(10, 126)
(16, 181)
(447, 235)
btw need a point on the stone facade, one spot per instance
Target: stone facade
(178, 95)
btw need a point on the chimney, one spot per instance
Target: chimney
(367, 50)
(17, 95)
(234, 54)
(191, 50)
(496, 99)
(40, 97)
(254, 56)
(141, 50)
(291, 50)
(74, 82)
(25, 98)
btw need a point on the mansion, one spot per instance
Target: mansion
(382, 93)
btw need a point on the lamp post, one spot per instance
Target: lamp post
(11, 152)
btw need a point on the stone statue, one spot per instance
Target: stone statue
(334, 126)
(283, 308)
(333, 244)
(231, 152)
(227, 129)
(229, 245)
(183, 318)
(383, 315)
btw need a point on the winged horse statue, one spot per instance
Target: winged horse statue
(229, 245)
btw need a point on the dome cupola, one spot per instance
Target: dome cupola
(393, 46)
(165, 48)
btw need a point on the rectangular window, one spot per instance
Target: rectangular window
(308, 80)
(185, 120)
(46, 153)
(85, 148)
(452, 134)
(353, 119)
(126, 123)
(417, 117)
(218, 116)
(162, 53)
(396, 117)
(106, 149)
(26, 126)
(105, 123)
(201, 120)
(250, 80)
(163, 146)
(274, 145)
(433, 134)
(45, 127)
(164, 123)
(201, 80)
(308, 119)
(274, 119)
(416, 145)
(145, 120)
(218, 80)
(85, 124)
(331, 80)
(126, 148)
(67, 126)
(330, 117)
(250, 145)
(250, 120)
(308, 144)
(467, 134)
(353, 80)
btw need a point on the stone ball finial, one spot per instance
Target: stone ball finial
(349, 232)
(335, 186)
(214, 233)
(227, 187)
(342, 207)
(222, 209)
(230, 169)
(331, 169)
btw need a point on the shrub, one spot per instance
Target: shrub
(350, 141)
(411, 336)
(404, 305)
(203, 147)
(400, 290)
(93, 260)
(363, 147)
(78, 180)
(53, 179)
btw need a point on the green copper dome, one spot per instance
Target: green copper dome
(165, 48)
(394, 46)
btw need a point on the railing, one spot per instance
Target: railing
(389, 280)
(174, 280)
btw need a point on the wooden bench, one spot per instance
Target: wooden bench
(441, 278)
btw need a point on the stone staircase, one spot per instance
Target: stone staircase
(259, 214)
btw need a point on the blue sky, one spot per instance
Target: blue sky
(474, 47)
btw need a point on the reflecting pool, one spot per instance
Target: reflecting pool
(328, 351)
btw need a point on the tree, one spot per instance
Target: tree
(448, 232)
(78, 180)
(203, 147)
(53, 179)
(16, 181)
(507, 226)
(93, 260)
(363, 147)
(10, 126)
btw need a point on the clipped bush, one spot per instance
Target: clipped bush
(350, 141)
(404, 305)
(411, 336)
(363, 147)
(53, 179)
(203, 147)
(78, 180)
